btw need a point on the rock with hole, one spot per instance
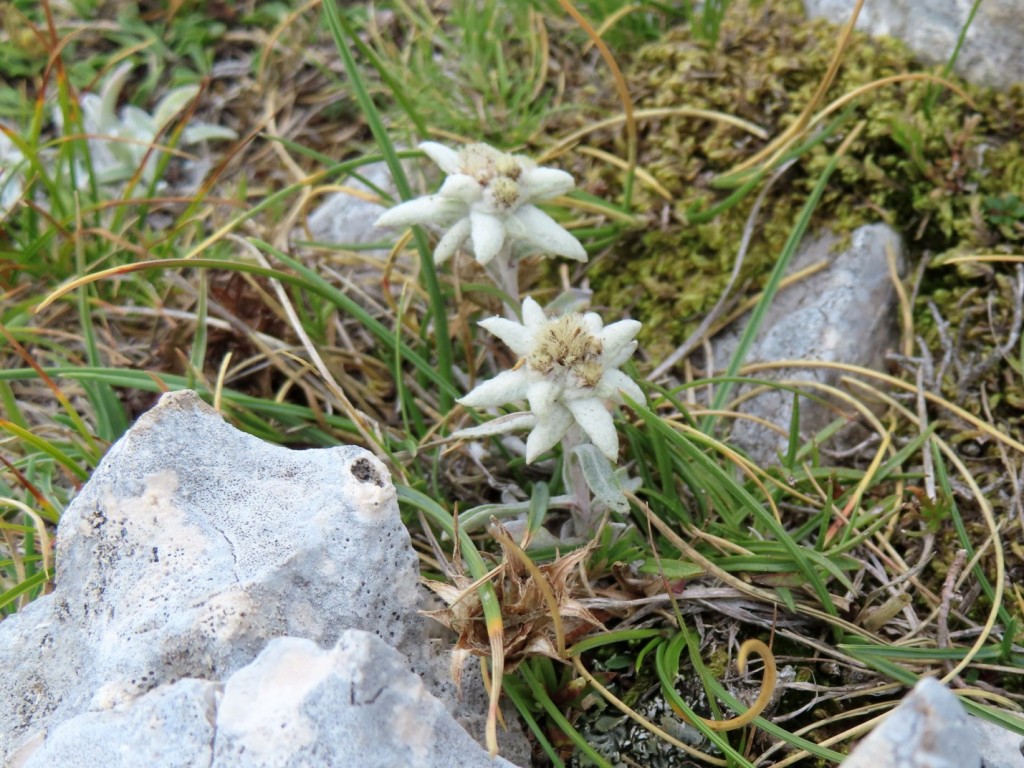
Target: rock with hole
(190, 548)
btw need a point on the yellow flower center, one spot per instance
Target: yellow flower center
(567, 343)
(508, 167)
(505, 193)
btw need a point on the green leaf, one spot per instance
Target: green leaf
(601, 478)
(672, 569)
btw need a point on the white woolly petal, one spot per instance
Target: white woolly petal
(548, 431)
(92, 114)
(615, 381)
(462, 188)
(593, 322)
(617, 338)
(595, 420)
(533, 315)
(542, 395)
(526, 164)
(447, 159)
(498, 426)
(534, 227)
(109, 94)
(171, 105)
(621, 356)
(545, 183)
(137, 124)
(506, 387)
(452, 241)
(432, 209)
(516, 337)
(488, 235)
(194, 134)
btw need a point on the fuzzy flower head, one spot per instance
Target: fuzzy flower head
(568, 372)
(488, 199)
(119, 143)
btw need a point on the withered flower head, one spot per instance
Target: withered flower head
(529, 628)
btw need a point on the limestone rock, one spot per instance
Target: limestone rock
(999, 747)
(346, 218)
(991, 51)
(929, 729)
(190, 548)
(171, 726)
(355, 704)
(295, 704)
(842, 314)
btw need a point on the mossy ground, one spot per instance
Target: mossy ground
(941, 175)
(945, 172)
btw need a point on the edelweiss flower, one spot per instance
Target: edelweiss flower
(568, 373)
(488, 198)
(118, 144)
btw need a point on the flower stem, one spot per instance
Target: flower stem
(575, 483)
(505, 275)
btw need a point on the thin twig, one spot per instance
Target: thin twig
(1000, 352)
(948, 589)
(926, 449)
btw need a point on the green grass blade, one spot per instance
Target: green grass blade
(711, 471)
(35, 581)
(723, 392)
(541, 696)
(44, 446)
(342, 33)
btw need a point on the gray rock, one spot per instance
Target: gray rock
(355, 704)
(991, 51)
(296, 704)
(171, 726)
(929, 729)
(842, 314)
(999, 747)
(192, 546)
(345, 218)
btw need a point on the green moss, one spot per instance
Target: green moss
(928, 173)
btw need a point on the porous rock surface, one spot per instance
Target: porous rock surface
(190, 548)
(845, 313)
(297, 704)
(991, 51)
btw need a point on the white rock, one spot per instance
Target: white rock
(929, 729)
(345, 218)
(191, 547)
(991, 51)
(842, 314)
(355, 704)
(296, 704)
(999, 747)
(171, 726)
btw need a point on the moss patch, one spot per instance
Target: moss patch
(934, 174)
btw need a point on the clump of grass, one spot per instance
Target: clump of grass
(845, 566)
